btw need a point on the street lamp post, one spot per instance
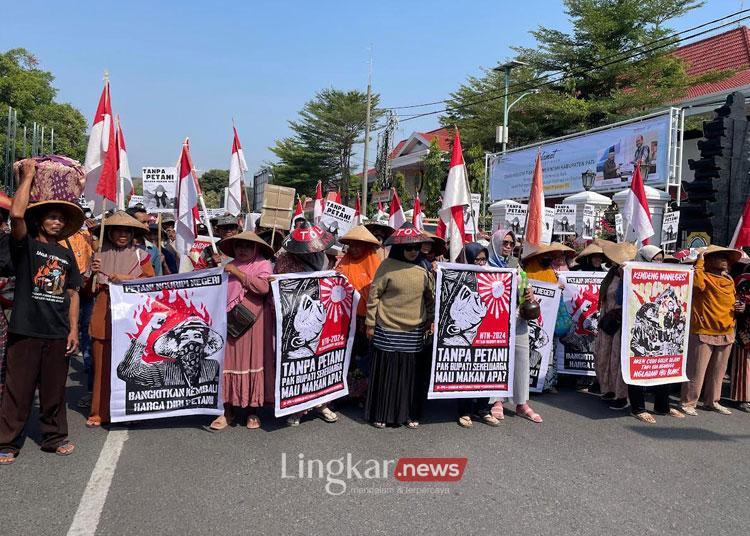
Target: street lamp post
(506, 68)
(587, 178)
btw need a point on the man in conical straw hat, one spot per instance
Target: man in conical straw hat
(44, 323)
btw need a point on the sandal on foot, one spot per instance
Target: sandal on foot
(497, 411)
(465, 421)
(677, 414)
(529, 414)
(66, 449)
(412, 424)
(327, 415)
(645, 416)
(718, 408)
(689, 410)
(379, 425)
(745, 406)
(218, 424)
(253, 422)
(490, 420)
(293, 420)
(7, 458)
(93, 423)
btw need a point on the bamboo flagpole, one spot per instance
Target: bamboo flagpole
(201, 201)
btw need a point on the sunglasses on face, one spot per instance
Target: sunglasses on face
(413, 247)
(507, 242)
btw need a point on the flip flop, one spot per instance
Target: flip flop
(490, 420)
(218, 424)
(412, 424)
(465, 421)
(253, 422)
(379, 425)
(66, 449)
(7, 458)
(645, 416)
(93, 423)
(677, 414)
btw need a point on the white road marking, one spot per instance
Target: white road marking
(94, 496)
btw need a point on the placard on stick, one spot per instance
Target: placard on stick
(277, 207)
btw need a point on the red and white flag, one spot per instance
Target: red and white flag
(636, 216)
(380, 215)
(237, 168)
(318, 206)
(396, 216)
(535, 211)
(416, 217)
(357, 211)
(741, 236)
(298, 215)
(338, 196)
(455, 199)
(125, 186)
(101, 155)
(187, 207)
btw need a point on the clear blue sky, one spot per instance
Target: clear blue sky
(185, 68)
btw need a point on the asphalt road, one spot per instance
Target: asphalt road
(585, 470)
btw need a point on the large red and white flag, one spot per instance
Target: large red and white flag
(380, 215)
(357, 211)
(237, 168)
(101, 155)
(741, 236)
(396, 216)
(299, 214)
(636, 216)
(535, 212)
(187, 207)
(416, 217)
(318, 206)
(455, 199)
(125, 181)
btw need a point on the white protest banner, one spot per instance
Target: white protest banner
(619, 229)
(542, 332)
(135, 200)
(168, 336)
(580, 297)
(159, 189)
(589, 222)
(656, 323)
(515, 219)
(196, 251)
(337, 219)
(315, 327)
(565, 220)
(474, 340)
(213, 213)
(549, 222)
(669, 226)
(473, 216)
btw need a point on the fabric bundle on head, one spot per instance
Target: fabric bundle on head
(647, 253)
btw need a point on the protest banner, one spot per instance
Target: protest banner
(471, 217)
(549, 222)
(655, 323)
(337, 219)
(196, 250)
(168, 336)
(515, 219)
(669, 226)
(474, 337)
(315, 326)
(213, 213)
(580, 297)
(159, 189)
(542, 332)
(565, 220)
(588, 224)
(619, 228)
(136, 200)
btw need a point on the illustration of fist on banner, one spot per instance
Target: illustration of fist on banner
(575, 351)
(314, 334)
(475, 332)
(168, 336)
(542, 332)
(656, 323)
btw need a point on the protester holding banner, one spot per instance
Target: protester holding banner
(304, 251)
(608, 339)
(712, 324)
(359, 264)
(477, 254)
(119, 260)
(44, 324)
(400, 312)
(644, 329)
(248, 354)
(140, 214)
(740, 390)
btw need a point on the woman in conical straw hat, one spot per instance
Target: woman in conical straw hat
(359, 264)
(248, 358)
(119, 260)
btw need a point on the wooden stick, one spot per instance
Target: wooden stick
(101, 241)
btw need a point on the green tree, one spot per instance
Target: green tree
(30, 92)
(215, 180)
(324, 136)
(399, 183)
(434, 174)
(590, 95)
(212, 199)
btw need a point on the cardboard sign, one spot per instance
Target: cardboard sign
(277, 207)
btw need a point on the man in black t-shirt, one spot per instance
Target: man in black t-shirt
(44, 324)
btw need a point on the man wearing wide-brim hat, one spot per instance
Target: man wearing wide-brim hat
(712, 324)
(44, 325)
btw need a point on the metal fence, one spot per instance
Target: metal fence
(16, 145)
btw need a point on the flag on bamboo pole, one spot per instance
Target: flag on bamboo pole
(237, 167)
(535, 212)
(635, 213)
(125, 186)
(456, 198)
(101, 155)
(416, 217)
(187, 207)
(396, 216)
(318, 206)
